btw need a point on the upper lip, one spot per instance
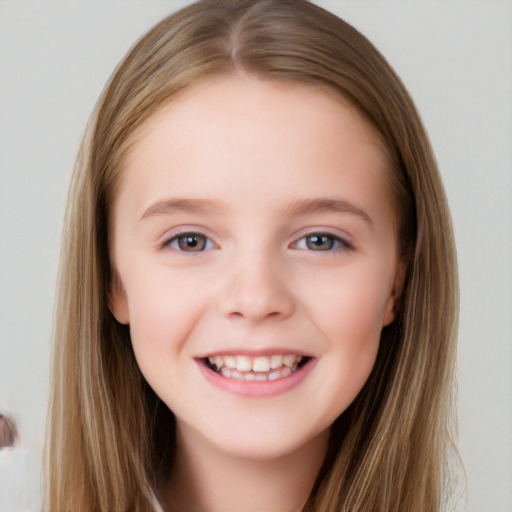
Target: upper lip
(255, 352)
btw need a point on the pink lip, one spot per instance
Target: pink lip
(256, 389)
(255, 353)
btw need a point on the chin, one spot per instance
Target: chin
(264, 440)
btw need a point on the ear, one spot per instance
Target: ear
(118, 301)
(394, 301)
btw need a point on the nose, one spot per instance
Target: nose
(256, 288)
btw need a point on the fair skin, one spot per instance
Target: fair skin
(254, 226)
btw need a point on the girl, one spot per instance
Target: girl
(257, 299)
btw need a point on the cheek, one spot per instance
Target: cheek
(349, 314)
(350, 306)
(163, 311)
(353, 327)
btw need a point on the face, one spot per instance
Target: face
(254, 240)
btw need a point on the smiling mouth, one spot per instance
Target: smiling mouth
(261, 368)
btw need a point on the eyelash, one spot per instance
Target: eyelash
(175, 239)
(335, 243)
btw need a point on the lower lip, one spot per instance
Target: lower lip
(265, 388)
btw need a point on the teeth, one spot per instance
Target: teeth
(290, 360)
(274, 376)
(261, 364)
(255, 368)
(230, 362)
(276, 362)
(226, 372)
(286, 372)
(243, 364)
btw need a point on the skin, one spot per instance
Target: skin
(254, 153)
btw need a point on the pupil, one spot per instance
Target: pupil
(191, 243)
(320, 242)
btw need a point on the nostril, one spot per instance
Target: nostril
(8, 434)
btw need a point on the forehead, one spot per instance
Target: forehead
(250, 93)
(231, 127)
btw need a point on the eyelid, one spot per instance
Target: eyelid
(182, 231)
(344, 239)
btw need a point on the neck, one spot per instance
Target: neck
(206, 479)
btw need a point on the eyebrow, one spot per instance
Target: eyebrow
(297, 208)
(308, 206)
(168, 206)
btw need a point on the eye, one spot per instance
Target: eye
(190, 242)
(321, 242)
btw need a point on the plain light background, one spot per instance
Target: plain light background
(455, 57)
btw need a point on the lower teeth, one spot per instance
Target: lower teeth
(279, 373)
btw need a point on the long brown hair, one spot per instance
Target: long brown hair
(110, 438)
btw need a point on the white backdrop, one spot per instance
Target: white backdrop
(456, 59)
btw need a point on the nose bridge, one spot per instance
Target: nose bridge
(255, 286)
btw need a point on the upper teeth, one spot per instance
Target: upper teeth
(255, 364)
